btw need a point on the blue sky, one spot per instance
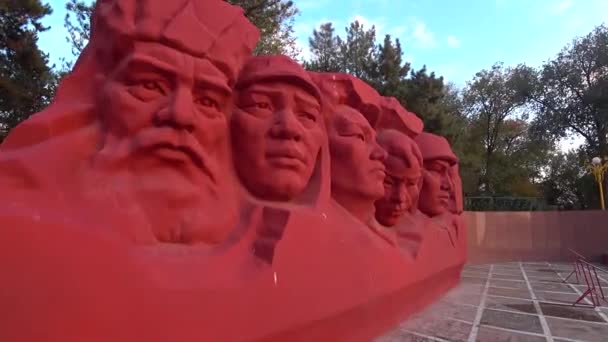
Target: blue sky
(454, 38)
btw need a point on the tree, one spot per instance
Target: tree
(274, 18)
(358, 52)
(325, 50)
(492, 97)
(568, 185)
(78, 23)
(27, 84)
(423, 95)
(572, 91)
(391, 71)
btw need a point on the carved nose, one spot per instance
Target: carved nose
(378, 153)
(400, 196)
(179, 114)
(286, 126)
(446, 183)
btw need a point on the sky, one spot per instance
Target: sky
(454, 38)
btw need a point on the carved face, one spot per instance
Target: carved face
(401, 190)
(456, 190)
(277, 133)
(437, 187)
(164, 115)
(357, 167)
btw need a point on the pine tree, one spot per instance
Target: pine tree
(358, 53)
(27, 84)
(274, 18)
(325, 49)
(391, 70)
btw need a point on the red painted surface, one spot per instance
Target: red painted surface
(180, 189)
(536, 236)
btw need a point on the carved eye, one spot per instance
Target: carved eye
(262, 105)
(152, 85)
(148, 89)
(208, 102)
(309, 116)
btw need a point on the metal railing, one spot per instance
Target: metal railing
(489, 203)
(588, 272)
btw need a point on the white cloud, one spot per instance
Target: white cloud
(303, 31)
(453, 42)
(378, 23)
(423, 36)
(562, 6)
(311, 4)
(571, 143)
(302, 45)
(398, 31)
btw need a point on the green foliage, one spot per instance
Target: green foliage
(27, 84)
(503, 125)
(358, 52)
(391, 69)
(491, 98)
(325, 48)
(479, 203)
(439, 105)
(275, 19)
(571, 91)
(568, 183)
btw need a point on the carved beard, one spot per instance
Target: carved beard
(175, 208)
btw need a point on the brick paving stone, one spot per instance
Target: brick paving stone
(511, 320)
(509, 313)
(473, 280)
(488, 334)
(560, 298)
(513, 284)
(544, 286)
(402, 336)
(582, 288)
(507, 270)
(447, 329)
(545, 279)
(569, 311)
(507, 276)
(578, 330)
(510, 304)
(483, 276)
(443, 309)
(514, 293)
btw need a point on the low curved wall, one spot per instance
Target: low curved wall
(536, 236)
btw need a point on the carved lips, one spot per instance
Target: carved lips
(286, 157)
(379, 171)
(175, 146)
(444, 197)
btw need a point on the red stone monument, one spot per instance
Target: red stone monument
(179, 188)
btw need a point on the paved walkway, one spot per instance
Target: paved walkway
(514, 302)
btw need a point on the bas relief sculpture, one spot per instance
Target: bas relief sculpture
(180, 188)
(278, 129)
(403, 179)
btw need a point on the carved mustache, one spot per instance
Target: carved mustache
(164, 137)
(286, 151)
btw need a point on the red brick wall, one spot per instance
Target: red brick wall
(531, 236)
